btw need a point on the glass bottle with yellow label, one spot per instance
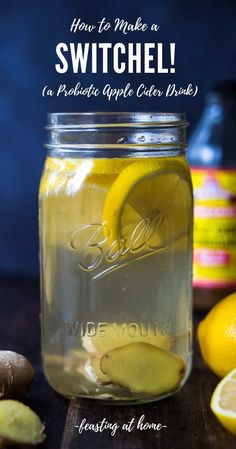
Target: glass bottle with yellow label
(212, 158)
(116, 231)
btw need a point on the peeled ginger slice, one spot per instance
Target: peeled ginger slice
(143, 368)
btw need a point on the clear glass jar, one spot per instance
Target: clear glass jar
(116, 256)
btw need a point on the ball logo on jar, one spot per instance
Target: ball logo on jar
(95, 247)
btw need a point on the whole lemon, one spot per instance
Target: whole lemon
(217, 336)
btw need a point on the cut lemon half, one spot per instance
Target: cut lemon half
(149, 203)
(223, 402)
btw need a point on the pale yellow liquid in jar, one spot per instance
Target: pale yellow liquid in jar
(116, 276)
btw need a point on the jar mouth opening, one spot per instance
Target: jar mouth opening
(142, 131)
(78, 120)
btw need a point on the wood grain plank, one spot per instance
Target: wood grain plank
(71, 421)
(190, 423)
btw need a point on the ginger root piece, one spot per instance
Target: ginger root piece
(19, 424)
(143, 368)
(16, 374)
(101, 378)
(116, 335)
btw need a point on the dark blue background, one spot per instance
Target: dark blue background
(204, 32)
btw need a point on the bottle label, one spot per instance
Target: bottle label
(214, 263)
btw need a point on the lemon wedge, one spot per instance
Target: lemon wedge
(223, 402)
(148, 203)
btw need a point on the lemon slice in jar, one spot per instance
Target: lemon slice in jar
(69, 175)
(97, 166)
(148, 203)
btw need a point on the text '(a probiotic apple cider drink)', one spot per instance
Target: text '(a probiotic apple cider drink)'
(116, 255)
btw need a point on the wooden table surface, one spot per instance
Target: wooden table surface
(190, 423)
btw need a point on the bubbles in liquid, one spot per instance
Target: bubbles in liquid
(122, 139)
(141, 139)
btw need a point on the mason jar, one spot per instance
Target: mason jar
(116, 255)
